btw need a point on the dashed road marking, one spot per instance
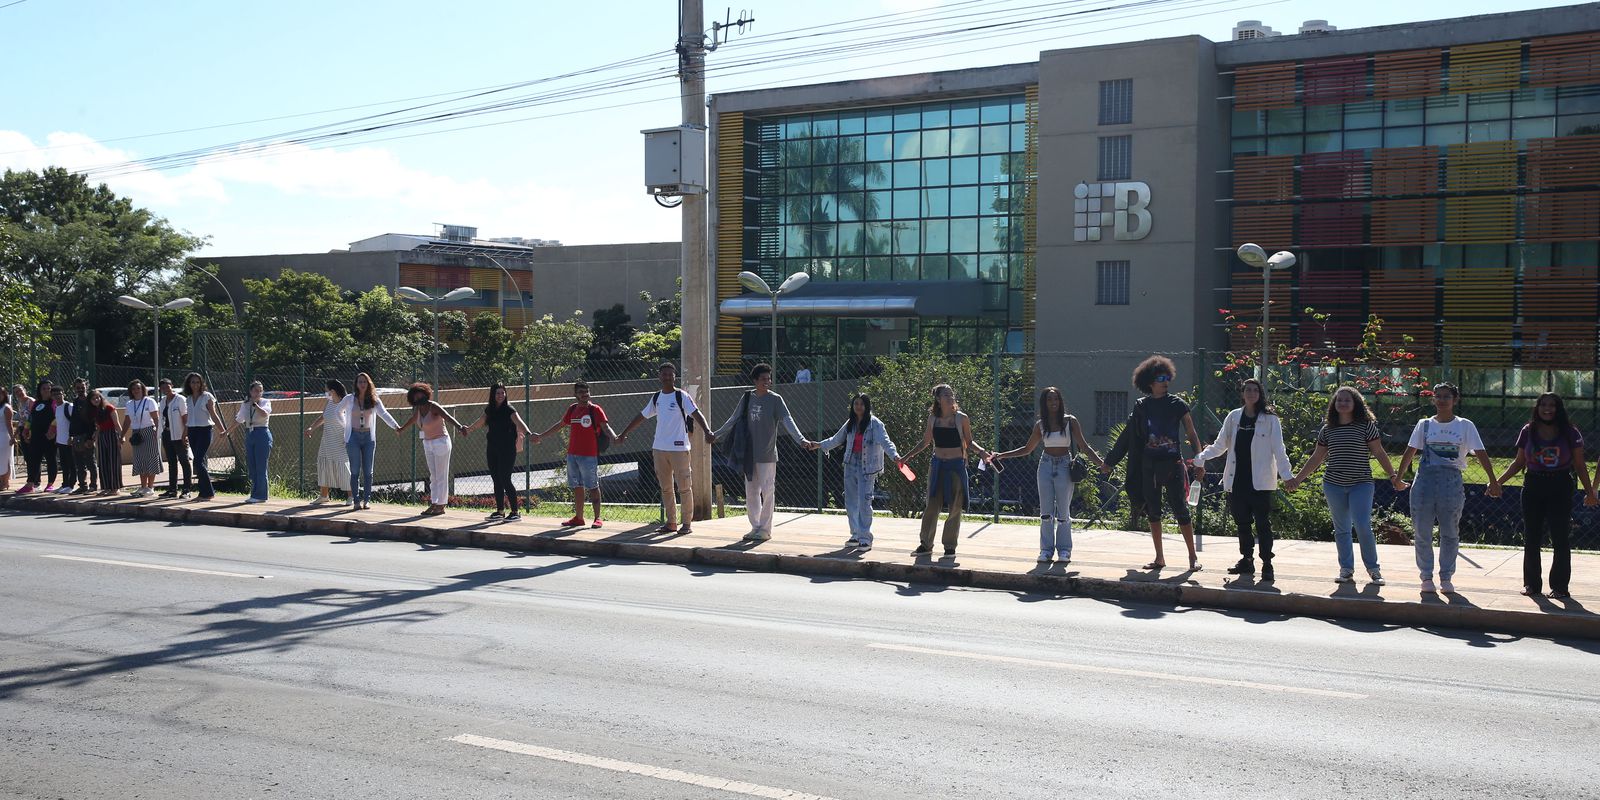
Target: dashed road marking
(162, 567)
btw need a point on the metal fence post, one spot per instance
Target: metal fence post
(1202, 372)
(300, 428)
(816, 433)
(527, 419)
(994, 475)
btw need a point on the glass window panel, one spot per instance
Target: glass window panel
(964, 235)
(994, 297)
(905, 268)
(964, 112)
(851, 177)
(1532, 255)
(994, 169)
(1324, 142)
(907, 174)
(878, 175)
(1253, 145)
(1019, 137)
(851, 269)
(963, 170)
(935, 144)
(824, 178)
(1484, 255)
(1578, 254)
(1285, 120)
(824, 208)
(964, 201)
(797, 181)
(1447, 108)
(935, 236)
(880, 205)
(995, 235)
(879, 268)
(907, 237)
(1402, 137)
(1019, 111)
(796, 153)
(1407, 111)
(963, 267)
(1249, 123)
(852, 239)
(936, 172)
(996, 200)
(995, 267)
(1361, 140)
(880, 238)
(936, 202)
(1533, 102)
(824, 125)
(1497, 131)
(852, 149)
(880, 120)
(1488, 106)
(851, 205)
(1284, 145)
(907, 204)
(995, 139)
(907, 118)
(936, 115)
(963, 341)
(1542, 128)
(794, 241)
(908, 144)
(1018, 271)
(935, 268)
(1579, 100)
(852, 123)
(1579, 125)
(963, 141)
(1446, 134)
(797, 127)
(996, 111)
(880, 146)
(1365, 114)
(821, 240)
(1324, 118)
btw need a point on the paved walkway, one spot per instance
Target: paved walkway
(1487, 580)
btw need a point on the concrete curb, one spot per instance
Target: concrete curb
(1406, 614)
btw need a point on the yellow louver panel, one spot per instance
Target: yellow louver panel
(730, 235)
(1030, 222)
(484, 280)
(1492, 67)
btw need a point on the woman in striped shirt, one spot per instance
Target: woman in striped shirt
(1347, 442)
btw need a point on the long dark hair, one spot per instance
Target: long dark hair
(189, 382)
(366, 398)
(861, 424)
(490, 407)
(1562, 422)
(1359, 413)
(1264, 406)
(955, 407)
(1059, 423)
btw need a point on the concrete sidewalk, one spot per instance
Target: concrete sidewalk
(1105, 563)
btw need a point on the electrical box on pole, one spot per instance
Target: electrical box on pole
(675, 160)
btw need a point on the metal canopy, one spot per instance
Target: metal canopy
(866, 300)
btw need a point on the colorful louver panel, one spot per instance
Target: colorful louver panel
(1564, 161)
(1564, 60)
(1405, 300)
(1561, 217)
(1332, 224)
(1337, 293)
(1268, 226)
(1398, 171)
(1558, 317)
(1264, 86)
(1480, 220)
(1263, 177)
(1339, 80)
(1412, 221)
(1492, 67)
(1342, 174)
(1481, 166)
(1246, 305)
(1412, 73)
(1479, 303)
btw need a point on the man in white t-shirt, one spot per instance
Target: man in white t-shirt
(674, 411)
(804, 375)
(1438, 495)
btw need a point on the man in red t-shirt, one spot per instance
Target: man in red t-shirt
(584, 421)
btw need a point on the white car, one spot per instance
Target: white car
(115, 395)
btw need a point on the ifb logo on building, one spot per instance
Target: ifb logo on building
(1123, 205)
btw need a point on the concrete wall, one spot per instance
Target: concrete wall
(359, 271)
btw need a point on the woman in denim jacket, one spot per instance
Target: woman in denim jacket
(866, 443)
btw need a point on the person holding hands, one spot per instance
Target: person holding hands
(676, 415)
(1551, 449)
(1252, 439)
(586, 423)
(1438, 494)
(1347, 441)
(1061, 436)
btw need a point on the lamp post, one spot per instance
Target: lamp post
(419, 296)
(754, 283)
(171, 305)
(218, 281)
(1252, 255)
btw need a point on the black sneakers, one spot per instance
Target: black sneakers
(1246, 566)
(1266, 570)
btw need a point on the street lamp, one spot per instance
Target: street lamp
(234, 307)
(419, 296)
(1253, 256)
(171, 305)
(754, 283)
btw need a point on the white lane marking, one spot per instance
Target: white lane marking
(155, 566)
(612, 764)
(1131, 673)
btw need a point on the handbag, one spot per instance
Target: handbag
(736, 445)
(137, 438)
(1077, 468)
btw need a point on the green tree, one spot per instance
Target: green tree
(298, 318)
(489, 357)
(81, 246)
(660, 338)
(612, 332)
(390, 343)
(553, 349)
(902, 392)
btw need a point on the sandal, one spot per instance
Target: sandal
(667, 529)
(1156, 565)
(685, 530)
(1558, 595)
(1194, 566)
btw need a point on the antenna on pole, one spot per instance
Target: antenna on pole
(719, 30)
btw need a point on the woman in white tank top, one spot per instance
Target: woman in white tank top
(1057, 431)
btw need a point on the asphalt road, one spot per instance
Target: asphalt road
(281, 665)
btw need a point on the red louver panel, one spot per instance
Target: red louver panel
(1338, 293)
(1563, 217)
(1340, 80)
(1332, 224)
(1564, 60)
(1558, 326)
(1341, 174)
(1564, 161)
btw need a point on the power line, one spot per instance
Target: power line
(13, 3)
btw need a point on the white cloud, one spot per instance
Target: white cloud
(300, 199)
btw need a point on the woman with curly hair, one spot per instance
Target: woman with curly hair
(1158, 423)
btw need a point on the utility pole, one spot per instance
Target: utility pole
(696, 320)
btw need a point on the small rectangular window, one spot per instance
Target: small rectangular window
(1111, 283)
(1116, 102)
(1116, 158)
(1110, 410)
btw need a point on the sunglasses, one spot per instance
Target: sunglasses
(1163, 379)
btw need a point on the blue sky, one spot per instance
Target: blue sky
(87, 74)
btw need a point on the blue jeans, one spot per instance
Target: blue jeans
(361, 449)
(257, 447)
(1437, 497)
(1352, 506)
(858, 487)
(1055, 506)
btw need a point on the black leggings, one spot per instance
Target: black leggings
(502, 460)
(40, 451)
(1165, 477)
(177, 458)
(69, 465)
(1252, 507)
(1547, 510)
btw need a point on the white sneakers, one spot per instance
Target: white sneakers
(1345, 576)
(1446, 585)
(757, 536)
(1428, 587)
(1376, 576)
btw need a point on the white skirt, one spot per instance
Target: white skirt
(333, 473)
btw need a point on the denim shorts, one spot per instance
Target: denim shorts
(583, 472)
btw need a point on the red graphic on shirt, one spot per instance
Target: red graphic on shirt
(584, 424)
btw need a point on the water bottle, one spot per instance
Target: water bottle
(1194, 493)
